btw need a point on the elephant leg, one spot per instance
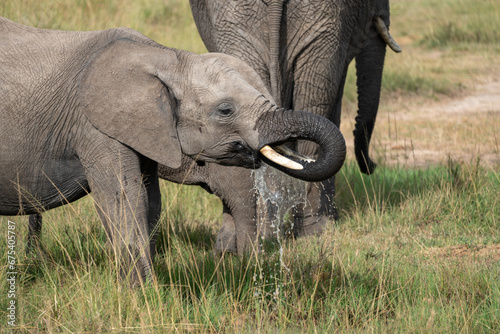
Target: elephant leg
(34, 230)
(121, 199)
(319, 209)
(235, 239)
(151, 182)
(246, 237)
(226, 237)
(311, 217)
(235, 187)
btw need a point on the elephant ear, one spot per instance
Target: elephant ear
(246, 71)
(122, 95)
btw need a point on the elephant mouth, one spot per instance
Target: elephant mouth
(239, 154)
(286, 157)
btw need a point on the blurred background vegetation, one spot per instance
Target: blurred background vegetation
(168, 22)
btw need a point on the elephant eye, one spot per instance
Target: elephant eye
(225, 109)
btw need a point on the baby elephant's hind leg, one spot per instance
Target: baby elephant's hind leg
(34, 230)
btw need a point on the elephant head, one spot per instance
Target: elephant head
(208, 111)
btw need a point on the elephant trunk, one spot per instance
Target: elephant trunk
(369, 68)
(275, 11)
(279, 126)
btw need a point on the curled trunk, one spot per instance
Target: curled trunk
(280, 125)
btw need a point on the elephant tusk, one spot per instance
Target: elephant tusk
(282, 149)
(384, 32)
(281, 160)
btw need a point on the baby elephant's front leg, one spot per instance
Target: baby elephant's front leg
(127, 197)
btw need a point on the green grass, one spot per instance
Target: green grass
(389, 265)
(167, 22)
(472, 23)
(459, 24)
(380, 268)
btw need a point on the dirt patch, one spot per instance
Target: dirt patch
(420, 131)
(488, 252)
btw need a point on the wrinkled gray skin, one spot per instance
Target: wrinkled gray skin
(301, 50)
(97, 111)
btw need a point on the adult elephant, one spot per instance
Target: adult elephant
(97, 111)
(301, 50)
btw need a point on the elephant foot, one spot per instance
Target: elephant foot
(135, 270)
(34, 232)
(226, 240)
(313, 224)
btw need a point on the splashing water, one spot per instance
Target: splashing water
(278, 196)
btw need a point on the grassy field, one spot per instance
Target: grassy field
(417, 248)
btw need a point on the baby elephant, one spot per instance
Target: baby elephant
(97, 111)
